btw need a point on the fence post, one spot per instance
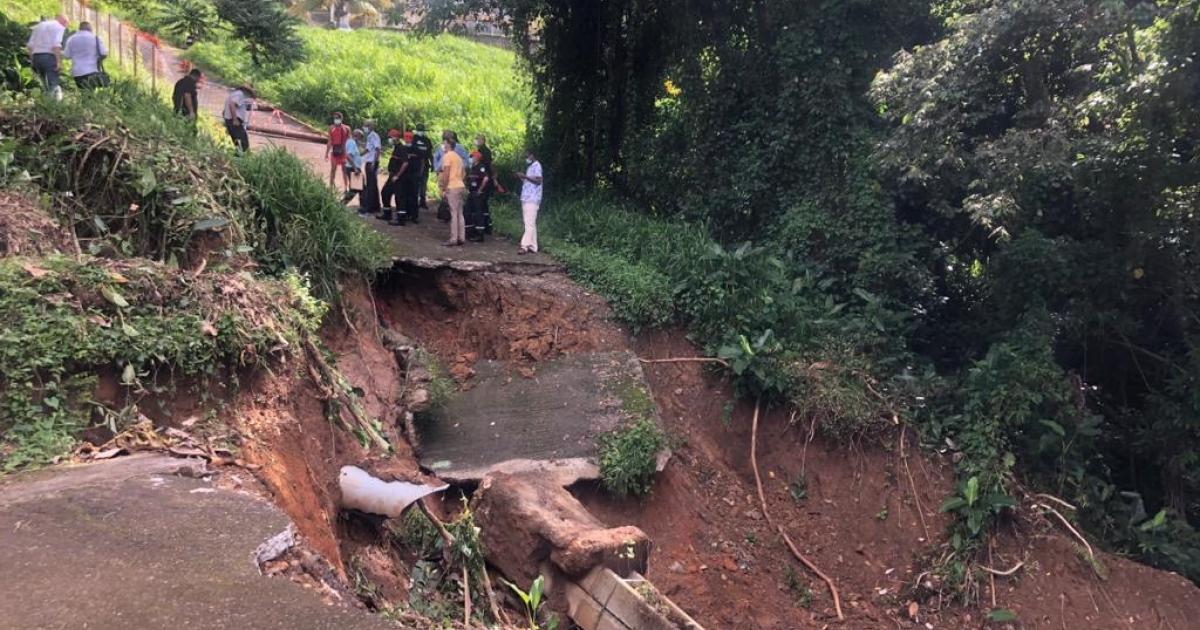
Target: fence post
(121, 44)
(136, 61)
(154, 68)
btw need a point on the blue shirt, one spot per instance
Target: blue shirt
(462, 153)
(352, 154)
(373, 147)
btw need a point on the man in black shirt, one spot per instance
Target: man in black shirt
(425, 148)
(186, 95)
(397, 165)
(414, 180)
(479, 188)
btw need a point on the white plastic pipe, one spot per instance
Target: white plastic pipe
(361, 491)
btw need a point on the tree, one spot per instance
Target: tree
(265, 28)
(192, 20)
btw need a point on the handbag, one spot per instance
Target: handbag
(101, 77)
(443, 210)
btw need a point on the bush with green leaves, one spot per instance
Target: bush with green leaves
(194, 20)
(628, 457)
(64, 321)
(305, 225)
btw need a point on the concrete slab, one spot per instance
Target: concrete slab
(547, 423)
(126, 544)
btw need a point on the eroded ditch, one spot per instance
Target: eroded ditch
(416, 338)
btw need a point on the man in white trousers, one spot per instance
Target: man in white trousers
(531, 200)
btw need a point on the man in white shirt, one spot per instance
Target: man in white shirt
(368, 200)
(86, 52)
(45, 52)
(236, 113)
(531, 201)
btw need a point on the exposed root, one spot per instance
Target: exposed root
(1007, 573)
(448, 543)
(338, 391)
(837, 600)
(722, 362)
(912, 484)
(1071, 528)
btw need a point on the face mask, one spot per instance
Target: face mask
(479, 143)
(337, 121)
(529, 160)
(392, 141)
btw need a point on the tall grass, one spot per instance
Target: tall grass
(444, 81)
(306, 227)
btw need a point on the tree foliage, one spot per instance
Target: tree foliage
(1003, 218)
(265, 28)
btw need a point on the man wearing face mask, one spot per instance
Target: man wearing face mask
(531, 201)
(369, 199)
(335, 148)
(485, 152)
(451, 183)
(424, 149)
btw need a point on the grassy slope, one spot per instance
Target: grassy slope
(24, 11)
(443, 82)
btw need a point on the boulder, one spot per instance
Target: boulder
(528, 519)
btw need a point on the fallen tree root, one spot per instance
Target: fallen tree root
(688, 360)
(837, 601)
(1071, 528)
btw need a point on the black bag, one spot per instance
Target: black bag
(100, 78)
(443, 211)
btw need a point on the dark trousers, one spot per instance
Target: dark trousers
(43, 67)
(478, 216)
(238, 134)
(391, 192)
(368, 200)
(410, 199)
(422, 183)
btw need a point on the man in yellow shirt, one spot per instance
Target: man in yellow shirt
(450, 182)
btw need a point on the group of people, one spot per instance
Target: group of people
(50, 42)
(466, 180)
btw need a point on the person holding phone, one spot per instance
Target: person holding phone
(531, 201)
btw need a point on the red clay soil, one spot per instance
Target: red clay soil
(716, 557)
(299, 449)
(519, 318)
(27, 230)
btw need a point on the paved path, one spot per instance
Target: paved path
(127, 544)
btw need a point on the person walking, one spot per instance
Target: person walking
(450, 182)
(185, 98)
(236, 113)
(424, 150)
(87, 53)
(531, 201)
(368, 200)
(45, 47)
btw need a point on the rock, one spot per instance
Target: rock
(676, 567)
(913, 609)
(393, 339)
(417, 400)
(753, 515)
(419, 375)
(526, 520)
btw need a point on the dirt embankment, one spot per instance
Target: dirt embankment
(851, 507)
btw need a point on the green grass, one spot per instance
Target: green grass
(444, 81)
(25, 11)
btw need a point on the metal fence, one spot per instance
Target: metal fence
(138, 52)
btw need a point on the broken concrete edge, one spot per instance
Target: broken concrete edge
(603, 600)
(469, 266)
(564, 472)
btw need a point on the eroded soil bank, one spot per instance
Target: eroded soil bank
(852, 508)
